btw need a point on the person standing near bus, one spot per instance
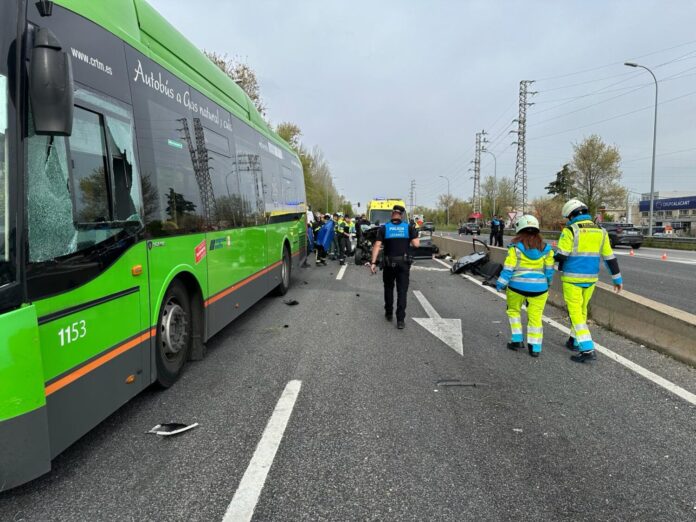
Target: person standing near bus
(527, 275)
(325, 237)
(396, 236)
(581, 246)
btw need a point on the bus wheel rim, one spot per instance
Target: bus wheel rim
(173, 330)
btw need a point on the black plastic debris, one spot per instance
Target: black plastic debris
(456, 382)
(357, 295)
(168, 429)
(291, 302)
(286, 326)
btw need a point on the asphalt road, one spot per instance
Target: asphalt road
(671, 281)
(373, 436)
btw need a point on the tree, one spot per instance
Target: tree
(564, 185)
(506, 195)
(242, 74)
(502, 191)
(290, 133)
(598, 176)
(548, 211)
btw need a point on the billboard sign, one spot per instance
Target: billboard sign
(684, 203)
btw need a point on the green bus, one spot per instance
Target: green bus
(144, 205)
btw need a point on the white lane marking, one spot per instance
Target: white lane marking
(429, 268)
(246, 497)
(660, 381)
(643, 372)
(342, 271)
(657, 258)
(429, 309)
(449, 331)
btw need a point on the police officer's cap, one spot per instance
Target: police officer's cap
(399, 209)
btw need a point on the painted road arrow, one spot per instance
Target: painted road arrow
(449, 331)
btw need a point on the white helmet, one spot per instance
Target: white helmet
(571, 206)
(526, 221)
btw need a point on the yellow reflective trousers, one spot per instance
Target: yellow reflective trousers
(535, 310)
(577, 298)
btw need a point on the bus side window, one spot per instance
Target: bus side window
(84, 189)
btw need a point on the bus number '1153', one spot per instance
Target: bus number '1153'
(72, 333)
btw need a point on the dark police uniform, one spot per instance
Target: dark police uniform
(396, 237)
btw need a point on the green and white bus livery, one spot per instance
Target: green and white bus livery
(144, 204)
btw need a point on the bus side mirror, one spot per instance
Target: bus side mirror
(51, 86)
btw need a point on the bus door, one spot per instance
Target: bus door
(87, 269)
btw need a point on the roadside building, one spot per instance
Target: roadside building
(673, 210)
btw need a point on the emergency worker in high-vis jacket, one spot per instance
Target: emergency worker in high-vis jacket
(581, 247)
(527, 275)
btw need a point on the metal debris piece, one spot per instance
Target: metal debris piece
(291, 302)
(168, 429)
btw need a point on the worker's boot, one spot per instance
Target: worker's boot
(515, 345)
(572, 345)
(583, 357)
(400, 325)
(534, 350)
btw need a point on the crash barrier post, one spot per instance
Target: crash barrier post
(655, 325)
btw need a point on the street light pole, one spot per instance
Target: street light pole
(652, 175)
(495, 177)
(448, 197)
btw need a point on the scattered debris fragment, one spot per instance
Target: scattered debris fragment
(457, 382)
(291, 302)
(357, 295)
(168, 429)
(517, 430)
(286, 326)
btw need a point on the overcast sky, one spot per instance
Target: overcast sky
(395, 90)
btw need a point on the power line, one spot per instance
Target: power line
(614, 117)
(592, 69)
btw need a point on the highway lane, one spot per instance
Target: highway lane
(374, 436)
(671, 281)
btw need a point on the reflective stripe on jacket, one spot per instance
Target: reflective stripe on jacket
(527, 270)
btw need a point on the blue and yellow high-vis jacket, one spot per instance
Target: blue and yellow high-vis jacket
(581, 246)
(527, 271)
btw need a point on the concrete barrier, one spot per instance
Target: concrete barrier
(655, 325)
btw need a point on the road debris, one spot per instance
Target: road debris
(168, 429)
(291, 302)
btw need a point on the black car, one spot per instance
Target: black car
(623, 234)
(470, 228)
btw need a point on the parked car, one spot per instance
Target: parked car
(428, 226)
(623, 234)
(470, 228)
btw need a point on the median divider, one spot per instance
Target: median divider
(650, 323)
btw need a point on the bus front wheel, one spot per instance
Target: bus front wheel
(174, 328)
(285, 268)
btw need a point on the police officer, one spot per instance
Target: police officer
(495, 224)
(581, 246)
(396, 235)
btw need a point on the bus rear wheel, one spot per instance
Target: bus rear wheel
(174, 327)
